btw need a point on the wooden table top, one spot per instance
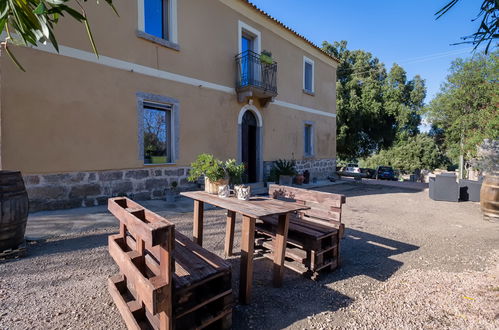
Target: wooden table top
(255, 207)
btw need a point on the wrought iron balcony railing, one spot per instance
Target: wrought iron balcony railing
(253, 72)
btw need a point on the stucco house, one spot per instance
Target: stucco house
(175, 78)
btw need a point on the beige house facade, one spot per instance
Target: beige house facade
(174, 78)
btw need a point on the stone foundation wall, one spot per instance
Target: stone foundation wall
(318, 168)
(83, 189)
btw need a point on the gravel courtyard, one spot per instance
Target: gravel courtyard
(407, 262)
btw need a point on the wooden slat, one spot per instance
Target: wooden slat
(204, 303)
(281, 238)
(334, 200)
(152, 228)
(293, 265)
(212, 320)
(229, 233)
(291, 252)
(197, 228)
(256, 207)
(302, 228)
(247, 250)
(122, 306)
(192, 263)
(150, 291)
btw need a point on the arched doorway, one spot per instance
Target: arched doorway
(249, 145)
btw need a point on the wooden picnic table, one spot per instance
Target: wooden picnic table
(251, 210)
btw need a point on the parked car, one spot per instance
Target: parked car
(369, 172)
(352, 168)
(385, 173)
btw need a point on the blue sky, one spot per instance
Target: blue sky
(396, 31)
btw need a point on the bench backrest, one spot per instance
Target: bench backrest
(143, 251)
(324, 207)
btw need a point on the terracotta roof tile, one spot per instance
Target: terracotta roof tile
(268, 16)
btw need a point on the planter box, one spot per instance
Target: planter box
(469, 190)
(444, 188)
(285, 180)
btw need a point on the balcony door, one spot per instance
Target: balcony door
(247, 71)
(249, 144)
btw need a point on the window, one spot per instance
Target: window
(157, 22)
(309, 139)
(158, 128)
(308, 75)
(157, 133)
(157, 18)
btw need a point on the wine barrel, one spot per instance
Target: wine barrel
(14, 208)
(489, 197)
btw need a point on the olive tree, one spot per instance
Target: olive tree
(29, 22)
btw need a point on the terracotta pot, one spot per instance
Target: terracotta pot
(212, 187)
(489, 197)
(299, 179)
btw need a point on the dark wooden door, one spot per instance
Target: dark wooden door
(249, 145)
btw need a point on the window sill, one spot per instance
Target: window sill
(160, 164)
(308, 92)
(308, 156)
(156, 40)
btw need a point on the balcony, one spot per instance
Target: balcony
(255, 78)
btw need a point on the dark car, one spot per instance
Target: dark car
(385, 173)
(369, 172)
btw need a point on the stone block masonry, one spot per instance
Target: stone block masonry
(320, 169)
(84, 189)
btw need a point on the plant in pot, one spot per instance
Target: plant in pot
(299, 178)
(266, 57)
(171, 193)
(213, 171)
(235, 173)
(285, 171)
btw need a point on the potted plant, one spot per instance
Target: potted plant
(235, 173)
(266, 57)
(299, 178)
(213, 171)
(172, 192)
(285, 171)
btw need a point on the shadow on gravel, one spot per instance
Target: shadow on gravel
(278, 308)
(64, 245)
(359, 189)
(367, 254)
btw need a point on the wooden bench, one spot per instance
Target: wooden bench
(165, 281)
(313, 235)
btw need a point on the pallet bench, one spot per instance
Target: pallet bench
(314, 234)
(165, 281)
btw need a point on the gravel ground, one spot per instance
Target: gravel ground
(407, 262)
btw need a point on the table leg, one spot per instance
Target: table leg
(281, 238)
(229, 233)
(247, 249)
(197, 228)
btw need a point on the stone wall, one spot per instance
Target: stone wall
(318, 168)
(83, 189)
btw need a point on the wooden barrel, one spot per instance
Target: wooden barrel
(13, 209)
(489, 196)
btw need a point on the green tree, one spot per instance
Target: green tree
(465, 112)
(29, 22)
(488, 29)
(415, 152)
(374, 108)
